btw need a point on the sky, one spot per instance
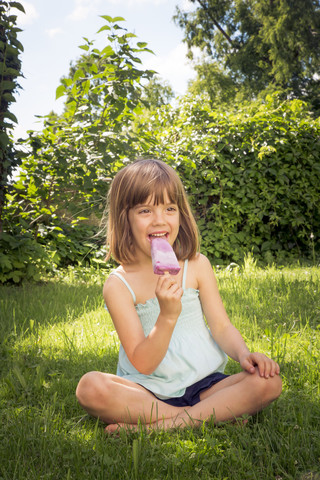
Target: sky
(52, 31)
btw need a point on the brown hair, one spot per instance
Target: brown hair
(134, 185)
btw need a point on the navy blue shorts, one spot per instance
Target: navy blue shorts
(192, 393)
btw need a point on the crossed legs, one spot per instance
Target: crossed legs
(117, 401)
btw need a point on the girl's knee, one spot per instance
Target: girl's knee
(277, 385)
(267, 389)
(89, 388)
(83, 387)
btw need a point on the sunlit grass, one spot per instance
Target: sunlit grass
(53, 333)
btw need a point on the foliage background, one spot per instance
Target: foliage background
(251, 169)
(251, 47)
(253, 176)
(10, 71)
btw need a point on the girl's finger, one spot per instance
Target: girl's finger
(261, 370)
(273, 369)
(262, 367)
(179, 292)
(247, 365)
(168, 281)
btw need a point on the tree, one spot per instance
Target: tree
(259, 43)
(157, 93)
(219, 86)
(65, 175)
(10, 70)
(77, 152)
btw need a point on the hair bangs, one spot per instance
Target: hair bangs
(154, 187)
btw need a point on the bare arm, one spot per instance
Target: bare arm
(224, 333)
(145, 353)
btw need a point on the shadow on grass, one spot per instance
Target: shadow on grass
(34, 379)
(45, 304)
(27, 314)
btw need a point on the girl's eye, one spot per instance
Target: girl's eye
(145, 210)
(172, 209)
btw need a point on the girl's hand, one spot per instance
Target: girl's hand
(169, 294)
(266, 366)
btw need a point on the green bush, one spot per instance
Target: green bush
(22, 258)
(75, 244)
(253, 177)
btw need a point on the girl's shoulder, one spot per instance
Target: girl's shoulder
(109, 278)
(198, 269)
(112, 283)
(199, 261)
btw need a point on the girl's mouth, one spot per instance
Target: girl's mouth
(157, 235)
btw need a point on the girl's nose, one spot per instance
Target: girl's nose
(158, 218)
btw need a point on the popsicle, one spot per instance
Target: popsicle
(163, 257)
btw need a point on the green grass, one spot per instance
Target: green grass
(53, 333)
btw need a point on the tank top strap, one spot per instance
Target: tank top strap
(184, 277)
(117, 274)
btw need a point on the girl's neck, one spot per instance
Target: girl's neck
(142, 279)
(138, 266)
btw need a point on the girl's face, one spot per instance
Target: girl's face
(149, 220)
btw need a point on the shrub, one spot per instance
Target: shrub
(22, 258)
(253, 177)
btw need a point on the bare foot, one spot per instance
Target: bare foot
(164, 424)
(115, 428)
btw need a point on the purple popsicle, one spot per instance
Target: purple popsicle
(163, 257)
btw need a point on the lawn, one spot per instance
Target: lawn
(52, 333)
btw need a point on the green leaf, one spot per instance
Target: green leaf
(105, 27)
(4, 139)
(16, 276)
(8, 97)
(17, 44)
(61, 90)
(12, 72)
(78, 74)
(7, 85)
(5, 262)
(18, 264)
(18, 6)
(118, 19)
(108, 51)
(112, 20)
(106, 17)
(67, 82)
(11, 116)
(17, 371)
(84, 47)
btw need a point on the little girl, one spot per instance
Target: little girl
(170, 369)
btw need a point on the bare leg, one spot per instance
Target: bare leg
(116, 400)
(119, 402)
(239, 394)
